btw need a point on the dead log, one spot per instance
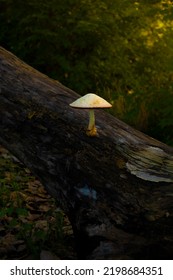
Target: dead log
(116, 188)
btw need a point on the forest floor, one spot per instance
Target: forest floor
(32, 226)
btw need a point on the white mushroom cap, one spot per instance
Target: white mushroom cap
(90, 101)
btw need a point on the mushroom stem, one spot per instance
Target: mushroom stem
(91, 124)
(91, 130)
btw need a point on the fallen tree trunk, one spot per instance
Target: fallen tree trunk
(116, 188)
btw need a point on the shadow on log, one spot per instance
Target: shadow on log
(116, 188)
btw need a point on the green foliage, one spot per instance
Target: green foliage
(122, 49)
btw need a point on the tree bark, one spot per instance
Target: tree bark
(116, 188)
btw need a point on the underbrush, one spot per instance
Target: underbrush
(31, 224)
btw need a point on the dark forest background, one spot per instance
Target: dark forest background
(120, 49)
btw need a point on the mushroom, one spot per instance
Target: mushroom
(91, 101)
